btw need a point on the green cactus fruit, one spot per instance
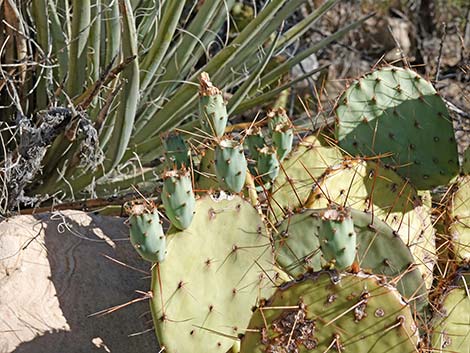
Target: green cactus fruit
(459, 212)
(230, 164)
(178, 197)
(146, 231)
(368, 186)
(299, 170)
(327, 312)
(212, 109)
(281, 131)
(254, 141)
(297, 250)
(206, 178)
(337, 237)
(176, 150)
(394, 110)
(219, 266)
(451, 324)
(466, 161)
(268, 164)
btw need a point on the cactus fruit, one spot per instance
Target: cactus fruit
(146, 231)
(337, 237)
(215, 271)
(178, 197)
(268, 164)
(297, 250)
(459, 211)
(230, 164)
(212, 109)
(327, 312)
(394, 110)
(368, 186)
(296, 178)
(281, 131)
(206, 178)
(451, 326)
(176, 150)
(254, 141)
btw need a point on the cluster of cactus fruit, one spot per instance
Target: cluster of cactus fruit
(330, 246)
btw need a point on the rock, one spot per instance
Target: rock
(54, 274)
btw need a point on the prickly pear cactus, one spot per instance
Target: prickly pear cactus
(281, 131)
(296, 177)
(178, 197)
(327, 312)
(214, 273)
(212, 109)
(368, 186)
(206, 178)
(451, 324)
(254, 141)
(230, 164)
(268, 164)
(176, 150)
(297, 250)
(146, 232)
(459, 212)
(394, 110)
(337, 237)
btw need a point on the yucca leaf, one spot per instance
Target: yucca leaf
(78, 42)
(128, 99)
(166, 30)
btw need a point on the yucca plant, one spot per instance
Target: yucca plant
(88, 86)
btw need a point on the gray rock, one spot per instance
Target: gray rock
(54, 274)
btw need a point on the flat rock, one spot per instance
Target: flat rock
(55, 271)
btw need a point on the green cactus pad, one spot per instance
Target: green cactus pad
(214, 273)
(451, 324)
(254, 141)
(206, 178)
(268, 164)
(368, 186)
(394, 110)
(212, 109)
(294, 183)
(146, 232)
(176, 151)
(337, 237)
(327, 312)
(281, 131)
(297, 250)
(178, 197)
(230, 164)
(459, 212)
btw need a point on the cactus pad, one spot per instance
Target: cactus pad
(337, 237)
(176, 150)
(451, 331)
(459, 211)
(178, 197)
(327, 312)
(230, 164)
(368, 186)
(294, 183)
(394, 110)
(466, 161)
(254, 141)
(146, 232)
(297, 250)
(268, 164)
(281, 131)
(214, 272)
(212, 109)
